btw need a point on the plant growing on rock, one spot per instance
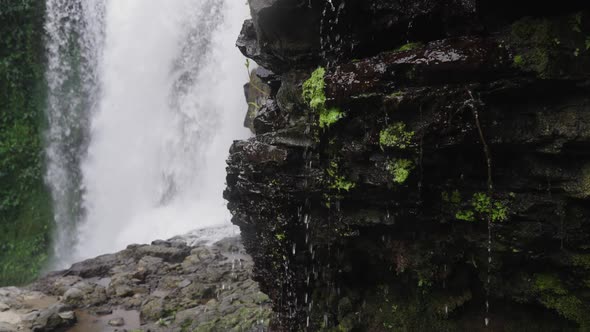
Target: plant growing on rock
(409, 47)
(315, 97)
(465, 215)
(330, 116)
(26, 215)
(400, 169)
(484, 206)
(553, 294)
(338, 181)
(396, 136)
(313, 90)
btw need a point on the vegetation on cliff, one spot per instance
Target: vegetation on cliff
(389, 219)
(25, 208)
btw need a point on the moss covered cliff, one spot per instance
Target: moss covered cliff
(25, 212)
(418, 165)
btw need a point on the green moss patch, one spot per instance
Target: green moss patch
(330, 116)
(536, 37)
(480, 207)
(338, 181)
(553, 294)
(400, 169)
(396, 136)
(315, 97)
(409, 47)
(313, 90)
(550, 47)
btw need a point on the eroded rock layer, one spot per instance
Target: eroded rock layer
(418, 165)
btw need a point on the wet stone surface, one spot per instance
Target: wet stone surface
(165, 286)
(422, 165)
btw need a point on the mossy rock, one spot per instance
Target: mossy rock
(552, 48)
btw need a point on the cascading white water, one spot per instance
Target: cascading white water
(74, 41)
(160, 87)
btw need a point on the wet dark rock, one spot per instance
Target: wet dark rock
(269, 118)
(450, 61)
(88, 269)
(282, 33)
(268, 77)
(381, 220)
(260, 153)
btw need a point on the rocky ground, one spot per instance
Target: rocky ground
(165, 286)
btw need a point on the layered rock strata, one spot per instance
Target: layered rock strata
(418, 165)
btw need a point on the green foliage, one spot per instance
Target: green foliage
(24, 242)
(409, 47)
(280, 236)
(553, 294)
(424, 282)
(313, 90)
(400, 169)
(338, 181)
(25, 213)
(341, 183)
(315, 96)
(465, 215)
(543, 44)
(549, 283)
(396, 136)
(483, 204)
(330, 116)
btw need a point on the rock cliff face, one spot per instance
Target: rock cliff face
(418, 165)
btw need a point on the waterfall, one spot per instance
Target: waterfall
(145, 98)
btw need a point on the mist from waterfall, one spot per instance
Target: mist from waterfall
(145, 99)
